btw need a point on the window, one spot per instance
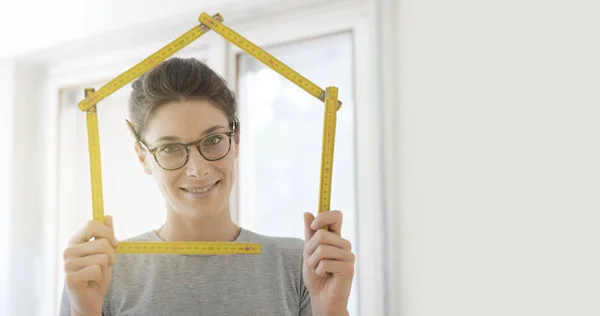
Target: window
(129, 194)
(281, 139)
(279, 164)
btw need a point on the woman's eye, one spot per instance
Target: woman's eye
(213, 140)
(169, 149)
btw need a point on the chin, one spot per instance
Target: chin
(202, 210)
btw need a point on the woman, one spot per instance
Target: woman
(187, 138)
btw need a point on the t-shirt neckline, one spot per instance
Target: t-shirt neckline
(242, 236)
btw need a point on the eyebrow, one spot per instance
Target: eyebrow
(175, 139)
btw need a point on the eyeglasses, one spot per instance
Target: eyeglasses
(174, 156)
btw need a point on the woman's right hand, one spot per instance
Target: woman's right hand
(88, 266)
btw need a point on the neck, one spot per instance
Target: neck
(180, 228)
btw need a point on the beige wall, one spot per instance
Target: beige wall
(499, 174)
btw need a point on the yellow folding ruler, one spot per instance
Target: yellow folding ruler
(92, 97)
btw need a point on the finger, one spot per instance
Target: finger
(331, 219)
(87, 274)
(96, 230)
(308, 232)
(108, 220)
(326, 252)
(323, 237)
(76, 264)
(334, 267)
(98, 246)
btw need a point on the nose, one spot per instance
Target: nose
(197, 166)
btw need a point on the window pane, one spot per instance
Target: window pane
(282, 130)
(129, 195)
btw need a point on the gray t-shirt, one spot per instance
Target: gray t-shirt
(266, 284)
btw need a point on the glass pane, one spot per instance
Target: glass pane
(282, 130)
(129, 195)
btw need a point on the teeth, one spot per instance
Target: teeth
(200, 190)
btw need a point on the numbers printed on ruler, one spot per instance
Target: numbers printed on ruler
(188, 248)
(95, 163)
(328, 149)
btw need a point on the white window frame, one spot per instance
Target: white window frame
(318, 21)
(321, 21)
(91, 69)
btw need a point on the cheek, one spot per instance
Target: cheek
(226, 168)
(165, 179)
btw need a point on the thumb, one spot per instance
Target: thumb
(108, 220)
(308, 232)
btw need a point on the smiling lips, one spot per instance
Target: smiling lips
(200, 191)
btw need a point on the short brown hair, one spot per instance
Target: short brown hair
(178, 79)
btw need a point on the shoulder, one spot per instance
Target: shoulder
(282, 257)
(147, 236)
(289, 246)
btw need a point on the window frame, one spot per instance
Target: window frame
(67, 75)
(370, 213)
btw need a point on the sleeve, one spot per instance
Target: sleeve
(305, 306)
(65, 304)
(305, 303)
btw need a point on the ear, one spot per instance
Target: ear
(141, 154)
(236, 138)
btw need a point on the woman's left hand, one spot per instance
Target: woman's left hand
(328, 264)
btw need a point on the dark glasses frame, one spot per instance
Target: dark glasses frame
(186, 146)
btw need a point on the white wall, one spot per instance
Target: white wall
(6, 114)
(52, 23)
(499, 169)
(21, 187)
(45, 28)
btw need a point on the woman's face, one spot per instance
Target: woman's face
(200, 189)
